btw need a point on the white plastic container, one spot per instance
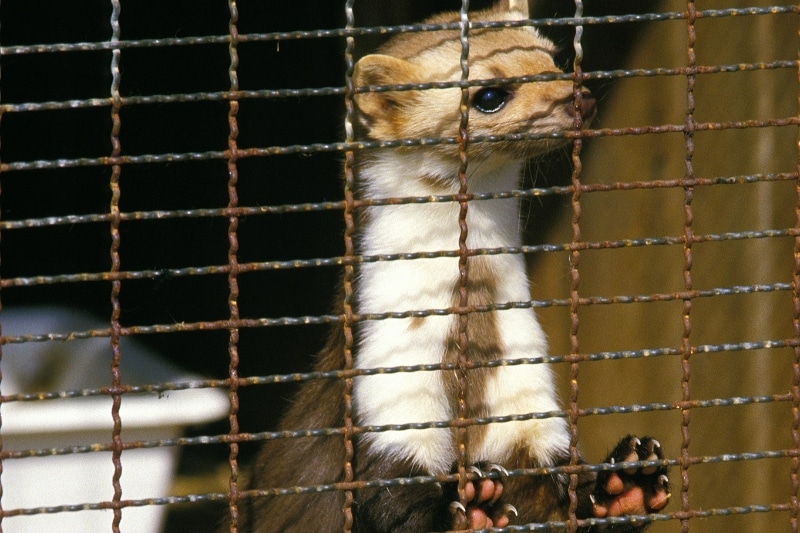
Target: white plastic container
(80, 478)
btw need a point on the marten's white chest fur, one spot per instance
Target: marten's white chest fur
(432, 283)
(423, 284)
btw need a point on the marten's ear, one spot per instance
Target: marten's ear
(520, 6)
(376, 70)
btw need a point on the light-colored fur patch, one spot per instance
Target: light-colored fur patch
(422, 284)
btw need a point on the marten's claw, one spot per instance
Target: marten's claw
(483, 492)
(457, 507)
(509, 510)
(476, 471)
(459, 513)
(635, 489)
(499, 468)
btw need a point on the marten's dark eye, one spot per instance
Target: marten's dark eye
(490, 99)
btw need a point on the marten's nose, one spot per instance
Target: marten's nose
(587, 105)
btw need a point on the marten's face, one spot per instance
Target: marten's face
(523, 110)
(533, 111)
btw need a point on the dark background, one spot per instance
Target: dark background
(197, 127)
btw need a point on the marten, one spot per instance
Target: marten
(431, 283)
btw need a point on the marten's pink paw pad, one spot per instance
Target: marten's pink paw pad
(482, 495)
(636, 490)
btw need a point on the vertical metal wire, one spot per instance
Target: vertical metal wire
(2, 513)
(686, 346)
(463, 257)
(116, 285)
(795, 386)
(233, 264)
(349, 253)
(575, 257)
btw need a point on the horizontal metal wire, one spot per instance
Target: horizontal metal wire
(244, 211)
(333, 319)
(549, 526)
(162, 387)
(541, 471)
(384, 30)
(715, 403)
(264, 94)
(424, 480)
(173, 273)
(337, 147)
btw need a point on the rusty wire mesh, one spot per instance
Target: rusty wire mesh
(216, 303)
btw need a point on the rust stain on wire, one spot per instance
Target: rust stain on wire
(794, 495)
(415, 313)
(357, 259)
(383, 30)
(348, 298)
(421, 480)
(686, 345)
(243, 211)
(214, 497)
(463, 268)
(116, 285)
(233, 270)
(574, 262)
(715, 403)
(346, 374)
(2, 490)
(215, 96)
(363, 145)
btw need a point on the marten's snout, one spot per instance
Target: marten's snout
(588, 105)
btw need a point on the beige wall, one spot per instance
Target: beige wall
(659, 269)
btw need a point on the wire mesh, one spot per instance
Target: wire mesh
(242, 283)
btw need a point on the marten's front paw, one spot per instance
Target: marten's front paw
(483, 493)
(635, 490)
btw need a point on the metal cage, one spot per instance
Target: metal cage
(174, 221)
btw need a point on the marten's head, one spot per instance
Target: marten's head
(496, 109)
